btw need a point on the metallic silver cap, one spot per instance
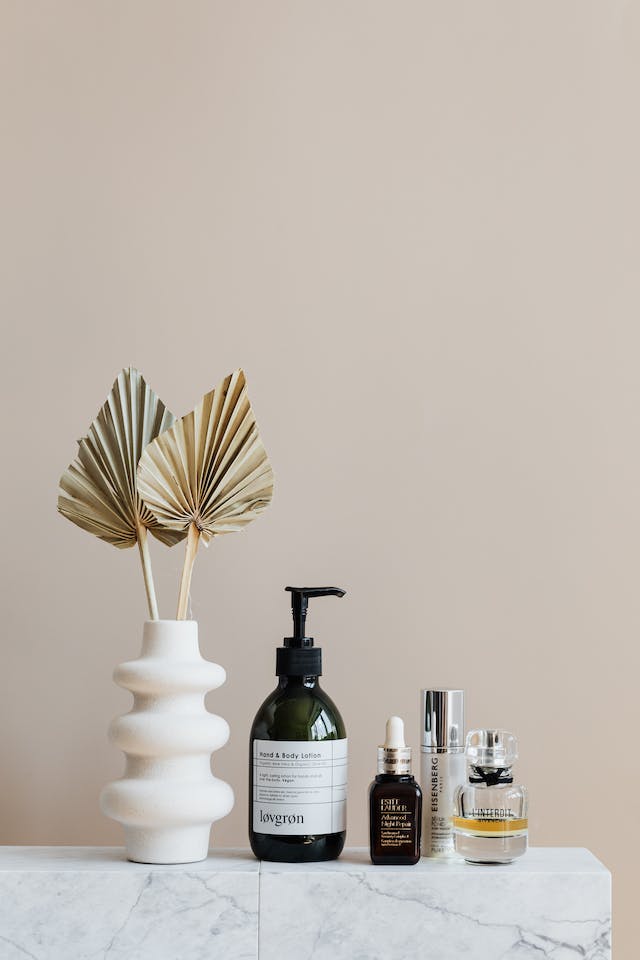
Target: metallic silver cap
(442, 726)
(394, 760)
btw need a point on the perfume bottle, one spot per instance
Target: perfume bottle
(395, 802)
(490, 823)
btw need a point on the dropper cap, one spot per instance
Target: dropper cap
(394, 756)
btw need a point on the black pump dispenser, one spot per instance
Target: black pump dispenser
(299, 657)
(298, 754)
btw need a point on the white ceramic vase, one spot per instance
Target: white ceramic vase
(168, 798)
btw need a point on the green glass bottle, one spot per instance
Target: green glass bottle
(298, 755)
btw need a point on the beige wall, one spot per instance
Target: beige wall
(416, 227)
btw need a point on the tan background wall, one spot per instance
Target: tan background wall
(416, 227)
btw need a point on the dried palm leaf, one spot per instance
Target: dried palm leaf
(209, 474)
(98, 490)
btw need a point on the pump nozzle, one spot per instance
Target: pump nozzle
(299, 603)
(298, 657)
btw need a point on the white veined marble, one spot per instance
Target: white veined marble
(80, 903)
(553, 903)
(88, 904)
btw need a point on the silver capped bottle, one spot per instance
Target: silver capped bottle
(491, 817)
(442, 768)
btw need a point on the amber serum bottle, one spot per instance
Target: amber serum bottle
(395, 802)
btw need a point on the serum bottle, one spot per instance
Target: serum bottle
(491, 825)
(395, 802)
(443, 767)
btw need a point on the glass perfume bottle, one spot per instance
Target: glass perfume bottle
(490, 823)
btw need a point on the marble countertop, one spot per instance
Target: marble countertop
(537, 860)
(77, 903)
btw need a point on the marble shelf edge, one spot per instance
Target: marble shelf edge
(102, 906)
(18, 857)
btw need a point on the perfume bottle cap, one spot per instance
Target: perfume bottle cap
(394, 757)
(493, 749)
(443, 720)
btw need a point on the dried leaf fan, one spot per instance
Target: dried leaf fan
(98, 490)
(209, 474)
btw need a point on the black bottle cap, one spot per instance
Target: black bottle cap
(298, 657)
(297, 662)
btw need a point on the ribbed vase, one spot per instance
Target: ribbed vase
(168, 798)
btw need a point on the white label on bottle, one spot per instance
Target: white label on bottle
(299, 786)
(441, 775)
